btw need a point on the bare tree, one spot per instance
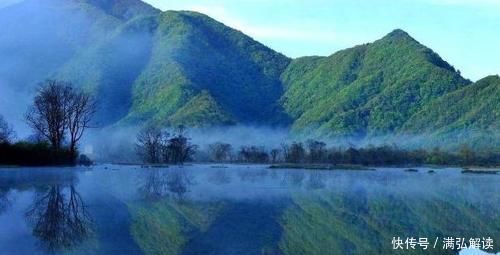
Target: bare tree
(150, 144)
(82, 107)
(253, 154)
(220, 151)
(179, 149)
(317, 151)
(49, 113)
(294, 153)
(59, 109)
(275, 153)
(6, 131)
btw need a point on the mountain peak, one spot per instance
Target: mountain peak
(398, 34)
(490, 78)
(122, 9)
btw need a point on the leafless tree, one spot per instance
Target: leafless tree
(155, 146)
(179, 149)
(294, 153)
(317, 151)
(150, 144)
(220, 151)
(59, 108)
(275, 153)
(49, 113)
(81, 110)
(253, 154)
(6, 131)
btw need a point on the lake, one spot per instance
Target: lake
(244, 209)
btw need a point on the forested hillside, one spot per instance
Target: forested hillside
(184, 68)
(370, 89)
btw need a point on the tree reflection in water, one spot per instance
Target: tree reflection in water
(59, 217)
(157, 184)
(293, 178)
(220, 177)
(316, 181)
(153, 185)
(4, 200)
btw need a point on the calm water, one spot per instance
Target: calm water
(208, 209)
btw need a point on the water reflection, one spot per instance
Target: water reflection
(316, 181)
(294, 178)
(157, 184)
(4, 200)
(242, 210)
(153, 185)
(220, 177)
(59, 217)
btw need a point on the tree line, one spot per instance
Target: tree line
(59, 115)
(317, 152)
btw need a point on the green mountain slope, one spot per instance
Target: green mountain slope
(201, 111)
(153, 69)
(193, 52)
(470, 115)
(122, 9)
(476, 106)
(366, 90)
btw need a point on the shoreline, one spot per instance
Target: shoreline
(492, 170)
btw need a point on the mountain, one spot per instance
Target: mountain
(122, 9)
(476, 106)
(367, 90)
(470, 114)
(185, 68)
(108, 68)
(195, 54)
(38, 37)
(155, 68)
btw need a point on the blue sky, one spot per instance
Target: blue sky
(466, 33)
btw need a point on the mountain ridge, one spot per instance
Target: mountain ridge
(353, 90)
(182, 67)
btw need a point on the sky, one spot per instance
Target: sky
(466, 33)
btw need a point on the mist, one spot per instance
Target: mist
(118, 144)
(55, 39)
(36, 39)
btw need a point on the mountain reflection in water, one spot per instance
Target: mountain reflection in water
(239, 209)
